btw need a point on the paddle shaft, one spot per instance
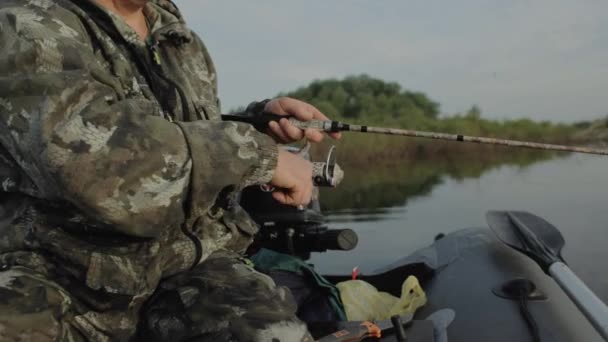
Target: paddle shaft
(590, 305)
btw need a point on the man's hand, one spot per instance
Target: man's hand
(283, 131)
(292, 179)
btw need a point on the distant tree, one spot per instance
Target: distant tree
(429, 108)
(367, 98)
(474, 113)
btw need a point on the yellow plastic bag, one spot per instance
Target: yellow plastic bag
(362, 301)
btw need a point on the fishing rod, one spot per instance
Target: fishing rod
(262, 120)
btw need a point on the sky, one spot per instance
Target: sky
(544, 60)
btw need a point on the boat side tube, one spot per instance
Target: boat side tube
(469, 266)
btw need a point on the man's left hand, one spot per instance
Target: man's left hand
(283, 131)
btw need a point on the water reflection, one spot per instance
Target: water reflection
(364, 215)
(367, 190)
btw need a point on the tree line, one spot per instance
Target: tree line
(372, 101)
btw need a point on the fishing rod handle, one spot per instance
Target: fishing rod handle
(319, 125)
(262, 120)
(590, 305)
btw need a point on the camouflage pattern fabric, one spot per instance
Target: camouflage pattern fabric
(213, 302)
(115, 169)
(34, 308)
(222, 299)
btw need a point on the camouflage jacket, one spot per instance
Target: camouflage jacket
(114, 163)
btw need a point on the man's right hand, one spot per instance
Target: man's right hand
(292, 179)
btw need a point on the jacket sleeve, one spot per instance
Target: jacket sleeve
(114, 158)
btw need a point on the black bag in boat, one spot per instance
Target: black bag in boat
(318, 300)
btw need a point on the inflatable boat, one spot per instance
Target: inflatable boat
(504, 284)
(480, 278)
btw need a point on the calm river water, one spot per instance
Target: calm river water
(570, 192)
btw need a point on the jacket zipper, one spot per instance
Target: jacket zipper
(157, 70)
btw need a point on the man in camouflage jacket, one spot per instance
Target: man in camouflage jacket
(117, 212)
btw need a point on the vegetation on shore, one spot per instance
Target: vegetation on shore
(593, 131)
(366, 100)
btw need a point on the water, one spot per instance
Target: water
(570, 192)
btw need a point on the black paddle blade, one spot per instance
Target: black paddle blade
(529, 234)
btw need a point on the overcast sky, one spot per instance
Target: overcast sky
(538, 59)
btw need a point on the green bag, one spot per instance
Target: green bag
(317, 298)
